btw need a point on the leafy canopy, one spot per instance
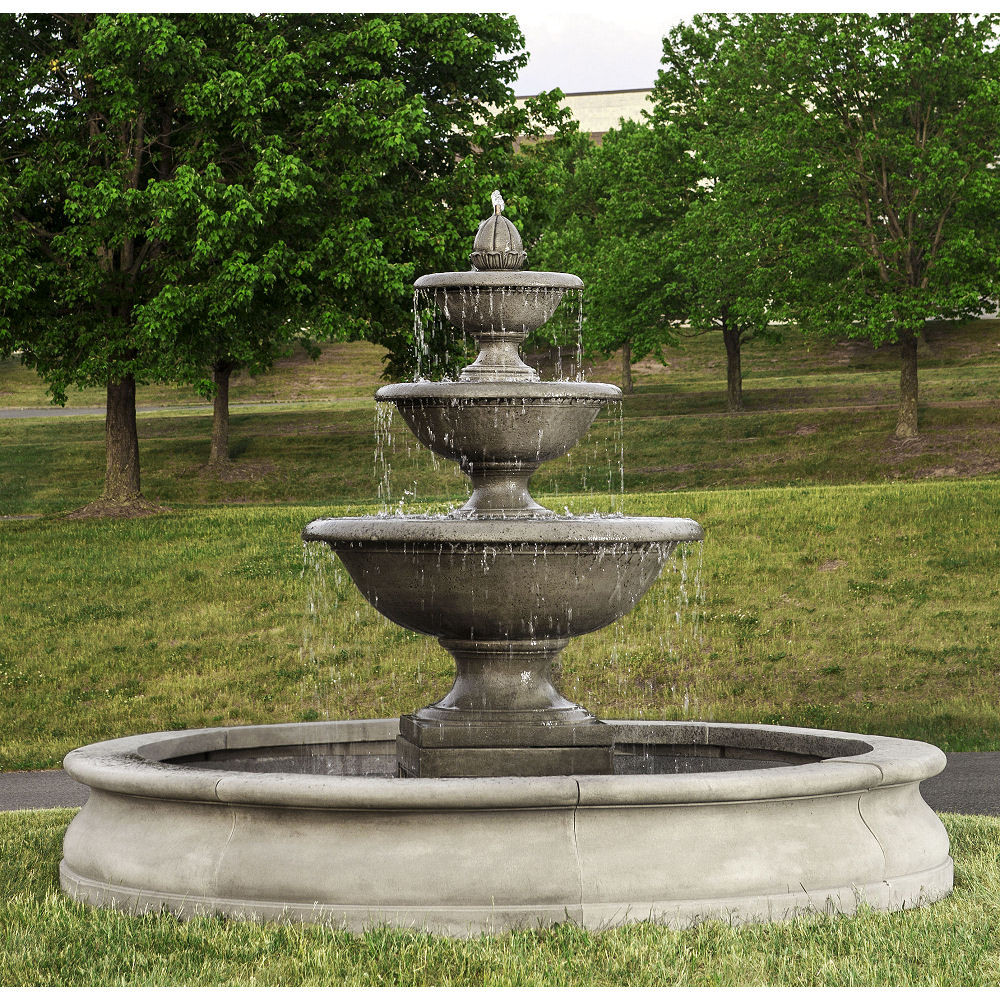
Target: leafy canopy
(178, 188)
(888, 127)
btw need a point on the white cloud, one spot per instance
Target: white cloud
(581, 47)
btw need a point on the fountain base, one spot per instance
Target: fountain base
(701, 821)
(503, 718)
(427, 748)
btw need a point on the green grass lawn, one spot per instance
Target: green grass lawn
(866, 608)
(325, 453)
(46, 940)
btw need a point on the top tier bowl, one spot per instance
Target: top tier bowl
(493, 302)
(499, 309)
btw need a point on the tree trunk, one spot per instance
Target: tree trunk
(734, 371)
(219, 454)
(906, 425)
(627, 367)
(121, 439)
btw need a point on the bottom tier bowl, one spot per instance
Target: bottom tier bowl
(503, 581)
(701, 821)
(504, 598)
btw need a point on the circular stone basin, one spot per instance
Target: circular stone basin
(518, 580)
(517, 425)
(703, 821)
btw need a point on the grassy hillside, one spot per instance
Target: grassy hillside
(697, 367)
(851, 581)
(343, 371)
(814, 416)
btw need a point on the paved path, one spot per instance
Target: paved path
(40, 790)
(969, 784)
(31, 412)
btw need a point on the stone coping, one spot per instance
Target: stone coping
(499, 279)
(511, 393)
(553, 530)
(135, 765)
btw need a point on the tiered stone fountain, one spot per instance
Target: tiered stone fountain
(503, 583)
(508, 805)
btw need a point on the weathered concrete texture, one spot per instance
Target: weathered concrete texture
(503, 597)
(499, 309)
(970, 784)
(522, 761)
(499, 434)
(429, 746)
(463, 856)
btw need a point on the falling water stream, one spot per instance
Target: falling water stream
(355, 659)
(441, 350)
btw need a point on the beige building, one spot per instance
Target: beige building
(598, 111)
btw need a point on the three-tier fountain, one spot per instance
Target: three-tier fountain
(503, 803)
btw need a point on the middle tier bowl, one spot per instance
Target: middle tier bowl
(499, 432)
(475, 422)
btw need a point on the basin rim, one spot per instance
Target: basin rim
(505, 392)
(499, 279)
(134, 765)
(559, 532)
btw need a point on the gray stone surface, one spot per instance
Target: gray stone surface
(502, 583)
(498, 433)
(970, 784)
(503, 597)
(499, 308)
(467, 855)
(498, 762)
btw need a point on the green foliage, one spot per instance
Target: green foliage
(187, 191)
(727, 248)
(836, 169)
(180, 188)
(611, 224)
(888, 128)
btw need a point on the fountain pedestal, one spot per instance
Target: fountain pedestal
(503, 717)
(428, 750)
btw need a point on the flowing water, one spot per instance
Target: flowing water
(441, 349)
(643, 666)
(409, 477)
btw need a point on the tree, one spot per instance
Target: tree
(185, 192)
(890, 125)
(672, 218)
(612, 226)
(728, 249)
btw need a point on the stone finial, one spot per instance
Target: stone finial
(498, 245)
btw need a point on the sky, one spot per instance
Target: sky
(617, 44)
(580, 47)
